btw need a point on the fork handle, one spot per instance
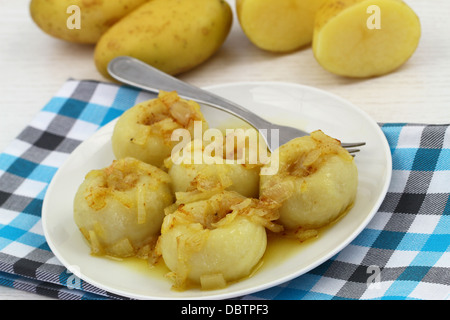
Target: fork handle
(136, 73)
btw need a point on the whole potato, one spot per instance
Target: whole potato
(171, 35)
(96, 16)
(278, 26)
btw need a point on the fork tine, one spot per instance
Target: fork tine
(353, 150)
(351, 145)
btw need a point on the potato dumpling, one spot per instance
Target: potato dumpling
(215, 241)
(316, 181)
(233, 167)
(365, 38)
(145, 131)
(120, 209)
(278, 26)
(96, 17)
(203, 177)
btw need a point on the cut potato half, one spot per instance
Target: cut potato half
(365, 38)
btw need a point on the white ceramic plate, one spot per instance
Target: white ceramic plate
(291, 104)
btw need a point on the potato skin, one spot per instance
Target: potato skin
(171, 35)
(97, 16)
(278, 26)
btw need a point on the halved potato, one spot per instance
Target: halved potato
(365, 38)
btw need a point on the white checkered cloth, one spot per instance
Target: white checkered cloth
(402, 254)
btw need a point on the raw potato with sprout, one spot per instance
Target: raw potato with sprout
(316, 182)
(347, 40)
(215, 241)
(145, 131)
(120, 209)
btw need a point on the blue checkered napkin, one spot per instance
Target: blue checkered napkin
(404, 251)
(402, 254)
(26, 168)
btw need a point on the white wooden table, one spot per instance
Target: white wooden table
(33, 66)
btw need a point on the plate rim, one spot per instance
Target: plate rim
(232, 294)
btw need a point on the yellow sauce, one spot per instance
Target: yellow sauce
(158, 270)
(279, 248)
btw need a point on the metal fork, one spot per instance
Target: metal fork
(136, 73)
